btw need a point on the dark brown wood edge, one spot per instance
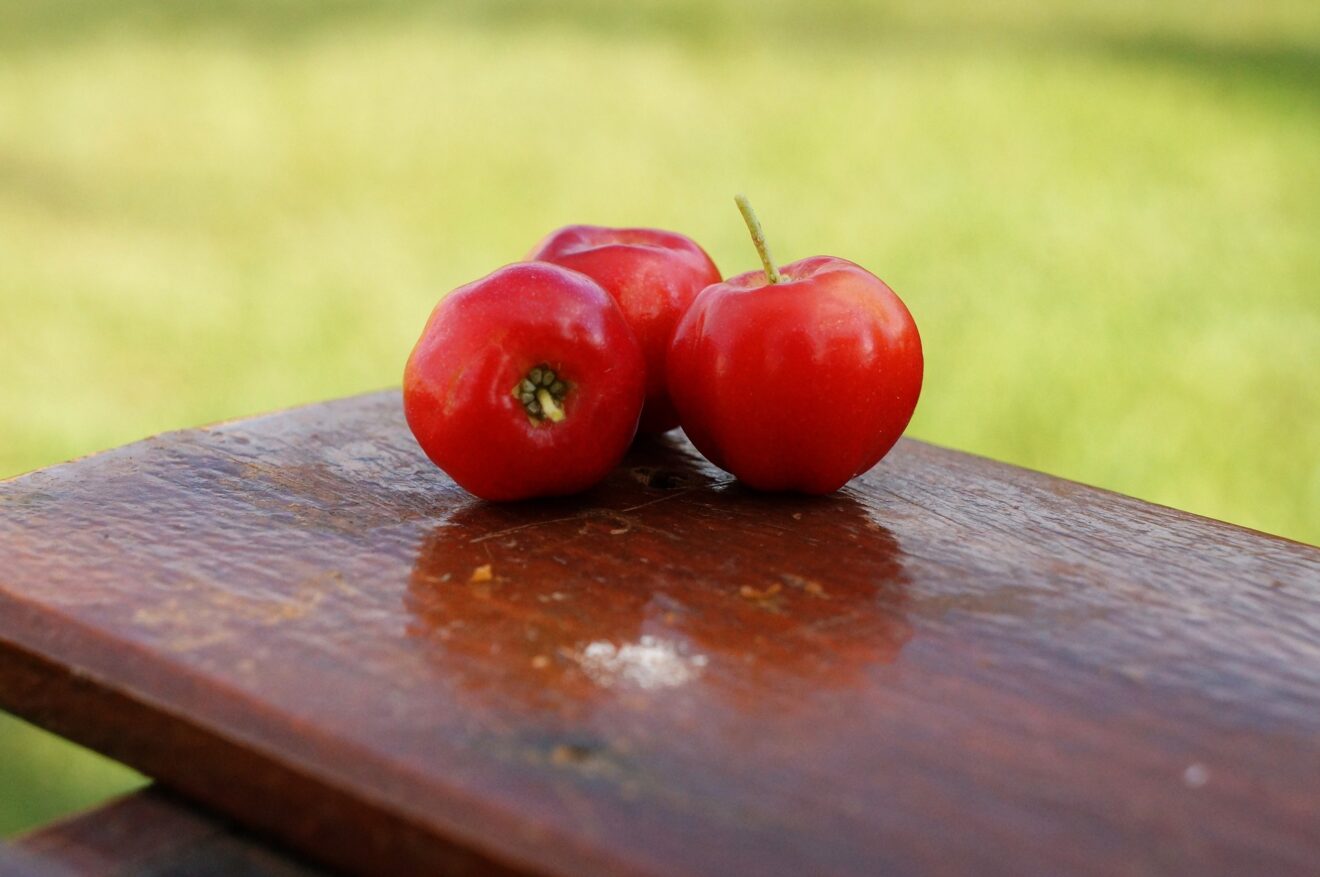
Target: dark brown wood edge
(154, 833)
(922, 447)
(235, 779)
(244, 419)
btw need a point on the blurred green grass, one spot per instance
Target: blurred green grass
(1103, 215)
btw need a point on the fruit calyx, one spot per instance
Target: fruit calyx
(541, 393)
(772, 274)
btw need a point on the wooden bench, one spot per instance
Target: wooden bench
(309, 635)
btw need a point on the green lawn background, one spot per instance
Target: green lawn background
(1104, 216)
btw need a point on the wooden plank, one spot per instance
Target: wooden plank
(953, 666)
(153, 834)
(15, 864)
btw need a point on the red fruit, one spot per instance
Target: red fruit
(528, 382)
(654, 275)
(796, 379)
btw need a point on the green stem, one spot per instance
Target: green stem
(758, 238)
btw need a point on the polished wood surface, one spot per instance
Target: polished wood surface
(153, 834)
(952, 666)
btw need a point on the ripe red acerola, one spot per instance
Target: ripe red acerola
(798, 378)
(654, 275)
(528, 382)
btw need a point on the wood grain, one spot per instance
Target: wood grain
(952, 666)
(153, 834)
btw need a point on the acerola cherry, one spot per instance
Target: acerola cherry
(528, 382)
(798, 378)
(654, 275)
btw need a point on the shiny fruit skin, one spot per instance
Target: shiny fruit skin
(654, 275)
(800, 385)
(460, 383)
